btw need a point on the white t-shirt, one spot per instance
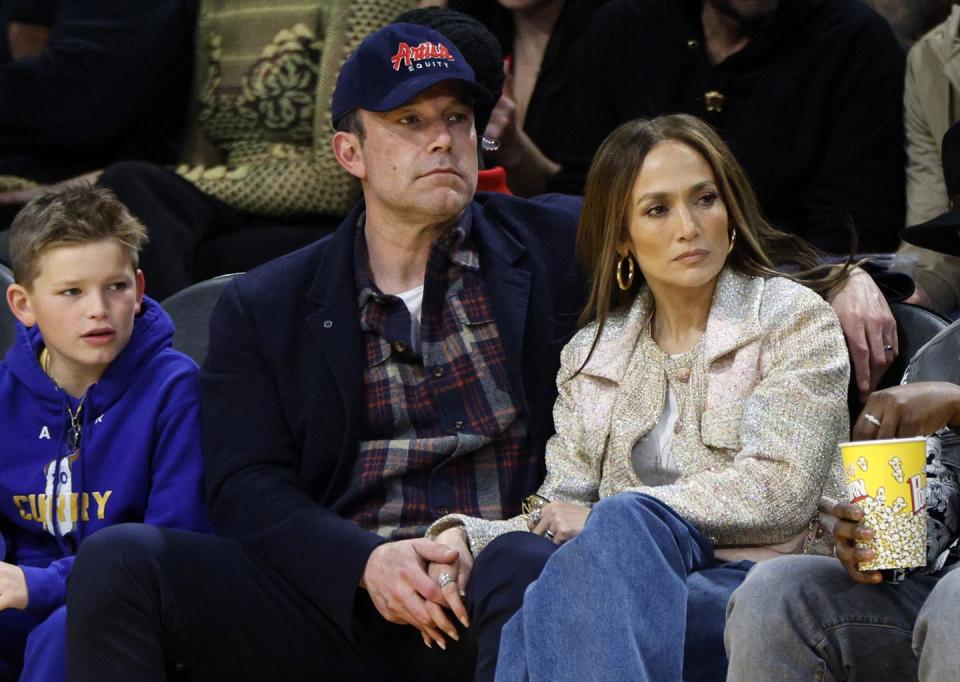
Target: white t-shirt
(652, 459)
(413, 299)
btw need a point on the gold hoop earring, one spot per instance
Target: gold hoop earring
(733, 238)
(625, 286)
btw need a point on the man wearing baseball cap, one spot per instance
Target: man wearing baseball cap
(355, 391)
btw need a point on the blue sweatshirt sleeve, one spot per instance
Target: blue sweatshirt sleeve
(47, 587)
(176, 469)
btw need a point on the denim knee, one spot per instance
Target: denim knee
(772, 581)
(796, 588)
(15, 626)
(938, 619)
(946, 597)
(628, 510)
(616, 510)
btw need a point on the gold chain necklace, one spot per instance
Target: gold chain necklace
(75, 423)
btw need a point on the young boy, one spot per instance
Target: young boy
(99, 416)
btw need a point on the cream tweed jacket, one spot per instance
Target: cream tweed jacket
(762, 406)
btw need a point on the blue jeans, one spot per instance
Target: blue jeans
(619, 601)
(803, 618)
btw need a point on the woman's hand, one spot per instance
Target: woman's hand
(13, 587)
(528, 168)
(453, 591)
(561, 521)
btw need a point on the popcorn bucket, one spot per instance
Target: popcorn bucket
(886, 478)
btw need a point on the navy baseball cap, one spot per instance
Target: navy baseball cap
(394, 65)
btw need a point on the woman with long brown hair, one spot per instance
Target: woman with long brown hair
(697, 421)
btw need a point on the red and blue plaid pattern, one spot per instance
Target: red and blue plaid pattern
(441, 431)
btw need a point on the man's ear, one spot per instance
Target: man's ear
(18, 299)
(141, 287)
(349, 153)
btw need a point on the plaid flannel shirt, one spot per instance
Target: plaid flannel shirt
(441, 430)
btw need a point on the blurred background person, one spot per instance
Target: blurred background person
(931, 106)
(540, 40)
(910, 19)
(91, 82)
(258, 177)
(808, 94)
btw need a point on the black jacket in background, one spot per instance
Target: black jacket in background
(813, 107)
(555, 85)
(112, 85)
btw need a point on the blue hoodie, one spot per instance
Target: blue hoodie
(140, 456)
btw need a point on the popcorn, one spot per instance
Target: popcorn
(886, 478)
(900, 539)
(896, 467)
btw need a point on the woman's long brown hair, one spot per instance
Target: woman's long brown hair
(604, 219)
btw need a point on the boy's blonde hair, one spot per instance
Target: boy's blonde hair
(78, 215)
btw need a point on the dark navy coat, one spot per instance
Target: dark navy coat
(282, 384)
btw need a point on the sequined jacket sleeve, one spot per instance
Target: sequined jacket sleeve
(572, 454)
(783, 436)
(758, 450)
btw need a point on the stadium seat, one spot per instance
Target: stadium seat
(916, 325)
(8, 323)
(190, 310)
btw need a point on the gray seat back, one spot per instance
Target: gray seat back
(190, 310)
(916, 326)
(8, 323)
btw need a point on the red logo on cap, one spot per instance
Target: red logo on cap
(407, 55)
